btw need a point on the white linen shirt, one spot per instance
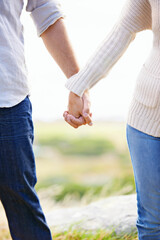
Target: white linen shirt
(14, 85)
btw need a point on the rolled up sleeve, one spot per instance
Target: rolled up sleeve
(44, 13)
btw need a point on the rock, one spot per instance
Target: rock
(113, 213)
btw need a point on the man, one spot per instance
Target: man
(17, 164)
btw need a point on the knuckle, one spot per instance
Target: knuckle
(87, 109)
(88, 118)
(65, 120)
(74, 121)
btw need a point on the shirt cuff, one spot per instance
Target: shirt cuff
(74, 84)
(46, 15)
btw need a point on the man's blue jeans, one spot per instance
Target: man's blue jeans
(145, 155)
(18, 174)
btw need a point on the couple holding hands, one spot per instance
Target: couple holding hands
(17, 162)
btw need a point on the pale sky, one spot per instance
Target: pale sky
(88, 22)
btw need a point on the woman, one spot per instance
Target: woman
(143, 122)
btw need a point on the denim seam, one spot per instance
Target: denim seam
(17, 136)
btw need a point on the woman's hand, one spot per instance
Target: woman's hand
(86, 108)
(78, 110)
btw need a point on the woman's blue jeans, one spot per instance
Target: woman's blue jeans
(18, 174)
(145, 156)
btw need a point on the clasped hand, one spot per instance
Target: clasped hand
(78, 110)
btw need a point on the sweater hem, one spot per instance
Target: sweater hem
(146, 125)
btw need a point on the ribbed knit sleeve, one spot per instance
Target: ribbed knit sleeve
(44, 13)
(135, 17)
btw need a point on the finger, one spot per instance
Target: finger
(75, 120)
(65, 114)
(70, 123)
(78, 121)
(71, 118)
(87, 118)
(83, 120)
(87, 115)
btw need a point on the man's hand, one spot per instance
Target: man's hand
(78, 110)
(75, 105)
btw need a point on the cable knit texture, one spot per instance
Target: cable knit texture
(136, 16)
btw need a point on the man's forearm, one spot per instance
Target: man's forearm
(58, 44)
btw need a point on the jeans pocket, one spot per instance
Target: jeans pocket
(16, 121)
(147, 88)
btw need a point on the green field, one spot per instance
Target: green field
(86, 164)
(78, 166)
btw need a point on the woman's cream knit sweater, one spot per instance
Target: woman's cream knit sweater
(144, 110)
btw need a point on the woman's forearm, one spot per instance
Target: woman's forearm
(101, 61)
(135, 17)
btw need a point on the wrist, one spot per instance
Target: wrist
(72, 94)
(72, 71)
(86, 92)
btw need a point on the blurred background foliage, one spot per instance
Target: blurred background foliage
(75, 167)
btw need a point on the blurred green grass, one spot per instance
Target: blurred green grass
(98, 235)
(76, 145)
(85, 141)
(83, 235)
(84, 146)
(83, 164)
